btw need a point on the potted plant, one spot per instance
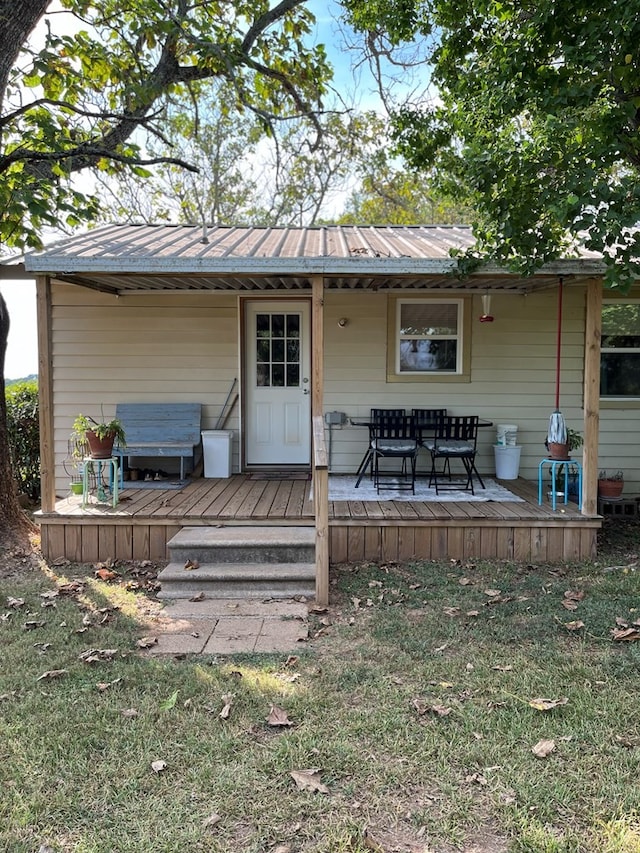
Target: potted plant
(562, 450)
(610, 485)
(573, 442)
(99, 435)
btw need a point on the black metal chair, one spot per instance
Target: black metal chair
(395, 437)
(367, 459)
(455, 437)
(426, 421)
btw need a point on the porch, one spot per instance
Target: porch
(142, 523)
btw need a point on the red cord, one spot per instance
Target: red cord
(559, 344)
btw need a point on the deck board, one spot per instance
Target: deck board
(145, 519)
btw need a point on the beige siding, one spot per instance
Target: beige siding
(171, 347)
(183, 346)
(512, 371)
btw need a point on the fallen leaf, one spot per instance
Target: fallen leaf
(625, 634)
(50, 593)
(105, 685)
(575, 625)
(292, 660)
(147, 642)
(451, 611)
(574, 595)
(441, 710)
(169, 703)
(106, 574)
(95, 655)
(210, 821)
(568, 604)
(472, 613)
(129, 713)
(199, 596)
(158, 766)
(191, 564)
(15, 602)
(547, 704)
(507, 668)
(52, 673)
(309, 780)
(465, 581)
(628, 742)
(356, 603)
(32, 624)
(543, 748)
(476, 778)
(440, 648)
(278, 717)
(227, 698)
(492, 592)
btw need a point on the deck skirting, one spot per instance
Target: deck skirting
(139, 528)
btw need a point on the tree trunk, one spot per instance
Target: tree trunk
(14, 524)
(17, 20)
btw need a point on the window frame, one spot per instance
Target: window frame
(614, 401)
(463, 354)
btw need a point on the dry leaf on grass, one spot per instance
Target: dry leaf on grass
(158, 766)
(309, 780)
(476, 779)
(15, 602)
(278, 717)
(574, 595)
(627, 635)
(568, 604)
(547, 704)
(507, 668)
(576, 625)
(147, 642)
(465, 581)
(52, 673)
(227, 698)
(543, 748)
(129, 713)
(292, 660)
(106, 574)
(492, 592)
(96, 655)
(105, 685)
(32, 624)
(211, 821)
(423, 707)
(372, 843)
(451, 611)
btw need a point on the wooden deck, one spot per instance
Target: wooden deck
(145, 519)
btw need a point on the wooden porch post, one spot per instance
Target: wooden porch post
(320, 464)
(593, 328)
(45, 394)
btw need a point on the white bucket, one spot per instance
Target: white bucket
(507, 461)
(507, 434)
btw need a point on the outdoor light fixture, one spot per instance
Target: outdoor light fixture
(486, 316)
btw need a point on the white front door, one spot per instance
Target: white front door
(277, 383)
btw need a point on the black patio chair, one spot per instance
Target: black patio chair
(455, 437)
(395, 437)
(426, 421)
(367, 459)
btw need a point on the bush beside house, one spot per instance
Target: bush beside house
(23, 431)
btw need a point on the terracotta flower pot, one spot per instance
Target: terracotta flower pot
(100, 448)
(610, 488)
(558, 451)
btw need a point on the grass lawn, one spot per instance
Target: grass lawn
(415, 714)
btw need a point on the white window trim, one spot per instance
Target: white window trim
(459, 338)
(626, 398)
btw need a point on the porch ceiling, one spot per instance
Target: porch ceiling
(139, 258)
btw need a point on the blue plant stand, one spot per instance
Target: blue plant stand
(554, 464)
(91, 465)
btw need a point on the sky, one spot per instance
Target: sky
(22, 351)
(22, 348)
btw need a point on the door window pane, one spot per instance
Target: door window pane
(278, 350)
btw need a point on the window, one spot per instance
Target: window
(620, 350)
(428, 336)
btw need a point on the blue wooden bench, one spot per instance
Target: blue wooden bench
(159, 429)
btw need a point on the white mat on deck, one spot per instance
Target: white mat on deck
(342, 488)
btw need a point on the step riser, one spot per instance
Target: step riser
(238, 590)
(248, 553)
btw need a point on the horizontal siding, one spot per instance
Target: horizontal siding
(512, 371)
(140, 348)
(183, 347)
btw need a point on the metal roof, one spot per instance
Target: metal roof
(119, 258)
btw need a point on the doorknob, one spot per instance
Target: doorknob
(305, 390)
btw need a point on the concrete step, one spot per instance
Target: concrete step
(243, 545)
(238, 580)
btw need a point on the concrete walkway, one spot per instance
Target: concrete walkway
(230, 626)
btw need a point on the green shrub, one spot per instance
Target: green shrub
(24, 436)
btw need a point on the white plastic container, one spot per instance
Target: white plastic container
(507, 461)
(507, 434)
(216, 452)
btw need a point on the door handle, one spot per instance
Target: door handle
(305, 390)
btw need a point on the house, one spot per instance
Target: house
(312, 321)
